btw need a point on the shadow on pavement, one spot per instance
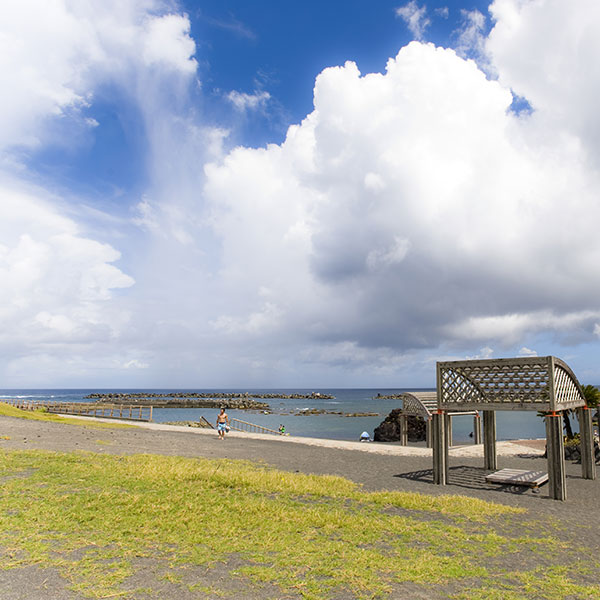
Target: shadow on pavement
(472, 478)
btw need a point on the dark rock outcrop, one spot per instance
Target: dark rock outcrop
(389, 429)
(573, 450)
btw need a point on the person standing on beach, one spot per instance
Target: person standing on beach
(222, 424)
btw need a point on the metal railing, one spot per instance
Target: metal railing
(238, 425)
(85, 409)
(205, 423)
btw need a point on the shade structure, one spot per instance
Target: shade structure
(424, 405)
(544, 384)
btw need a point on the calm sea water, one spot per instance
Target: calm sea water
(510, 425)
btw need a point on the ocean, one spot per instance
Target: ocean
(510, 424)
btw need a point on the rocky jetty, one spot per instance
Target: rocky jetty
(307, 412)
(267, 396)
(183, 401)
(231, 400)
(389, 429)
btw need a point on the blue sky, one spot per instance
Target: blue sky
(232, 193)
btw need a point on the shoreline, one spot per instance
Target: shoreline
(504, 448)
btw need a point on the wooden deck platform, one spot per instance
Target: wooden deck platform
(518, 477)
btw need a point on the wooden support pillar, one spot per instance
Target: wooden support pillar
(150, 417)
(403, 430)
(557, 487)
(477, 429)
(586, 443)
(440, 449)
(490, 458)
(428, 440)
(449, 442)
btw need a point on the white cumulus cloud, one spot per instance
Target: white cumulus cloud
(421, 199)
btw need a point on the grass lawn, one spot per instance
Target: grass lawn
(148, 526)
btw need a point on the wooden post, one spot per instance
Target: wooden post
(557, 488)
(440, 456)
(490, 458)
(150, 417)
(450, 442)
(477, 429)
(586, 443)
(428, 440)
(403, 430)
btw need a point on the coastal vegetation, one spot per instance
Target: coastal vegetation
(136, 526)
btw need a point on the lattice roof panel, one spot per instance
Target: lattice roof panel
(421, 404)
(542, 383)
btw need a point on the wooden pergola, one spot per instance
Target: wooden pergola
(424, 405)
(544, 384)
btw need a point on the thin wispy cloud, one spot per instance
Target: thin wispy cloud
(230, 24)
(471, 37)
(248, 102)
(415, 17)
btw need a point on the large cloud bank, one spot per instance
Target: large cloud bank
(414, 210)
(412, 214)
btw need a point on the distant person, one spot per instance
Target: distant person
(365, 437)
(282, 429)
(222, 424)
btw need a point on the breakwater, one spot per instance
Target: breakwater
(180, 394)
(165, 401)
(229, 400)
(308, 412)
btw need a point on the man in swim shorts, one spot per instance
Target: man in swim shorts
(222, 424)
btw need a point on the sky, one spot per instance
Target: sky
(254, 194)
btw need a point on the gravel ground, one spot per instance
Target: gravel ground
(397, 469)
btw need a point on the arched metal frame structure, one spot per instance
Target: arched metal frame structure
(544, 384)
(424, 405)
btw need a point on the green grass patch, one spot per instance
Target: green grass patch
(94, 517)
(6, 410)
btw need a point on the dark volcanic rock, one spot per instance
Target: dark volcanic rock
(573, 450)
(389, 429)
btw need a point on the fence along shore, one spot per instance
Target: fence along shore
(85, 409)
